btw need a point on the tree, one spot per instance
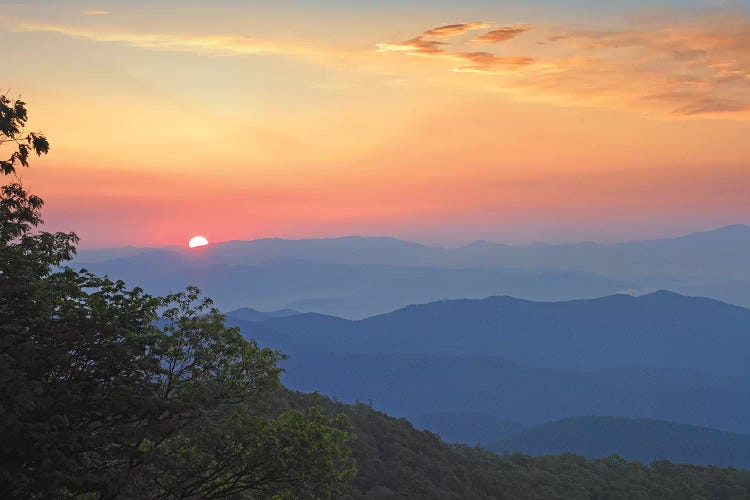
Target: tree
(108, 392)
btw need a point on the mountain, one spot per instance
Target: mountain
(250, 314)
(351, 250)
(471, 428)
(706, 256)
(350, 291)
(360, 276)
(96, 255)
(408, 385)
(633, 439)
(661, 356)
(661, 329)
(719, 249)
(395, 460)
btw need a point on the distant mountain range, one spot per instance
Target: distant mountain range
(726, 247)
(357, 277)
(633, 439)
(343, 290)
(662, 329)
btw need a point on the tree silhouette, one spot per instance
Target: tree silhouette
(108, 392)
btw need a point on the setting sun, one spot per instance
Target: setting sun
(197, 241)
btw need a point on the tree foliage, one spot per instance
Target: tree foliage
(108, 392)
(13, 117)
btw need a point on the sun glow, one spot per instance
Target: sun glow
(197, 241)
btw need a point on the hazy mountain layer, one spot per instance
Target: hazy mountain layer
(409, 385)
(342, 290)
(360, 276)
(470, 428)
(662, 329)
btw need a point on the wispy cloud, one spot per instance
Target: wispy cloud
(502, 34)
(416, 45)
(687, 69)
(94, 12)
(424, 45)
(484, 62)
(477, 61)
(455, 29)
(208, 45)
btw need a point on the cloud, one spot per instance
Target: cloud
(481, 62)
(208, 45)
(685, 69)
(485, 62)
(94, 12)
(416, 45)
(711, 106)
(421, 45)
(503, 34)
(455, 29)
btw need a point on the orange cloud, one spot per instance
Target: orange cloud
(688, 69)
(502, 34)
(711, 105)
(420, 44)
(481, 62)
(209, 45)
(455, 29)
(416, 45)
(486, 62)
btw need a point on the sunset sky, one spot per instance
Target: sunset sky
(436, 121)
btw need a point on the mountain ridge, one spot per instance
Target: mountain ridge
(661, 329)
(727, 229)
(360, 276)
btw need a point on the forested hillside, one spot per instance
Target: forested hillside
(396, 461)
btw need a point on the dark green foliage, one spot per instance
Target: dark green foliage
(13, 117)
(108, 392)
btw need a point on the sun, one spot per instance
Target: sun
(197, 241)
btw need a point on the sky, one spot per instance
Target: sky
(442, 122)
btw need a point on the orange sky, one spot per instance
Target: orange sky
(514, 122)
